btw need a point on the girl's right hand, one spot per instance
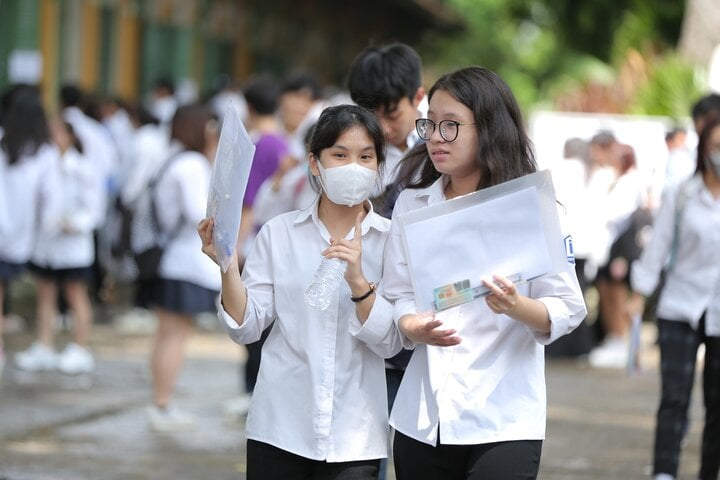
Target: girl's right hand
(426, 329)
(205, 230)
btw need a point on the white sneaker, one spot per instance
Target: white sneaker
(37, 358)
(613, 353)
(169, 419)
(236, 409)
(664, 476)
(76, 359)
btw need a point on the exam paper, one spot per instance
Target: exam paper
(231, 170)
(511, 230)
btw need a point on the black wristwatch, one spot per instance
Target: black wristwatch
(364, 296)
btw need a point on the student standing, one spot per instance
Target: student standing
(27, 160)
(318, 410)
(188, 282)
(472, 401)
(686, 231)
(63, 257)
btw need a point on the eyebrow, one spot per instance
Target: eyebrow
(343, 147)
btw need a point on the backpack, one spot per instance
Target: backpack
(146, 239)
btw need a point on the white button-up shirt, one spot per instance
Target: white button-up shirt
(181, 198)
(490, 387)
(321, 388)
(65, 239)
(692, 286)
(26, 191)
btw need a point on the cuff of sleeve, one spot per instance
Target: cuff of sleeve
(232, 328)
(402, 308)
(379, 321)
(559, 321)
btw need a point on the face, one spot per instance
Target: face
(293, 107)
(713, 151)
(354, 145)
(456, 158)
(397, 124)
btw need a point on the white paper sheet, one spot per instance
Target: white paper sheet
(230, 175)
(512, 230)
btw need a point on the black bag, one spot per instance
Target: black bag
(630, 243)
(148, 260)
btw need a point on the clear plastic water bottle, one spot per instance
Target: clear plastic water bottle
(327, 279)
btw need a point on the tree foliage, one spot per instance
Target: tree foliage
(542, 46)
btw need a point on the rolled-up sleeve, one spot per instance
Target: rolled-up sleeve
(565, 305)
(378, 332)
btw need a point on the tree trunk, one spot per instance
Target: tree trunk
(700, 31)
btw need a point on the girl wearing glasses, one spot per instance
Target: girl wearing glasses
(472, 402)
(319, 409)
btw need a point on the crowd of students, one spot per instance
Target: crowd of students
(463, 389)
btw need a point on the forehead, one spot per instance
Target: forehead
(354, 137)
(400, 107)
(444, 104)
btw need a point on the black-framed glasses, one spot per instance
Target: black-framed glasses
(448, 128)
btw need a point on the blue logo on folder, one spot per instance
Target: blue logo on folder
(569, 253)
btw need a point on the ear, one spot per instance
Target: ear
(312, 161)
(419, 95)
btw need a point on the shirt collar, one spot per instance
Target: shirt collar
(371, 220)
(435, 193)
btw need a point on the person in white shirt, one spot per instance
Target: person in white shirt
(472, 404)
(319, 407)
(187, 282)
(625, 215)
(63, 256)
(27, 183)
(685, 243)
(387, 80)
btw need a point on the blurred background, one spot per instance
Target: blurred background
(629, 57)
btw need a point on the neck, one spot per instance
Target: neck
(338, 219)
(712, 182)
(461, 185)
(263, 123)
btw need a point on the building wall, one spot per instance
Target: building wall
(120, 47)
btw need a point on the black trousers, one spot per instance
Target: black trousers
(516, 460)
(678, 353)
(266, 462)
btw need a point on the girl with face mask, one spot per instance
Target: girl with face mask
(319, 406)
(686, 230)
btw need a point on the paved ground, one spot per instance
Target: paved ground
(54, 427)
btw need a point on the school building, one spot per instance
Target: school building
(119, 47)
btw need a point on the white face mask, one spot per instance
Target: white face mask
(347, 185)
(714, 161)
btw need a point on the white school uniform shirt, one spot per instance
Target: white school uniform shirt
(490, 387)
(181, 199)
(65, 239)
(99, 147)
(25, 190)
(692, 286)
(321, 388)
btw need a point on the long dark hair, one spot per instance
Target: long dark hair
(504, 149)
(26, 126)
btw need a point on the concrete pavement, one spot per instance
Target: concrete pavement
(55, 427)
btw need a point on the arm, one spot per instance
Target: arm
(234, 295)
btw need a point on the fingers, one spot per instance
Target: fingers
(358, 226)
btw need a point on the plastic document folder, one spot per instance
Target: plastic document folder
(511, 229)
(231, 171)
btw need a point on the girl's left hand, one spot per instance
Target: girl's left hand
(351, 252)
(503, 294)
